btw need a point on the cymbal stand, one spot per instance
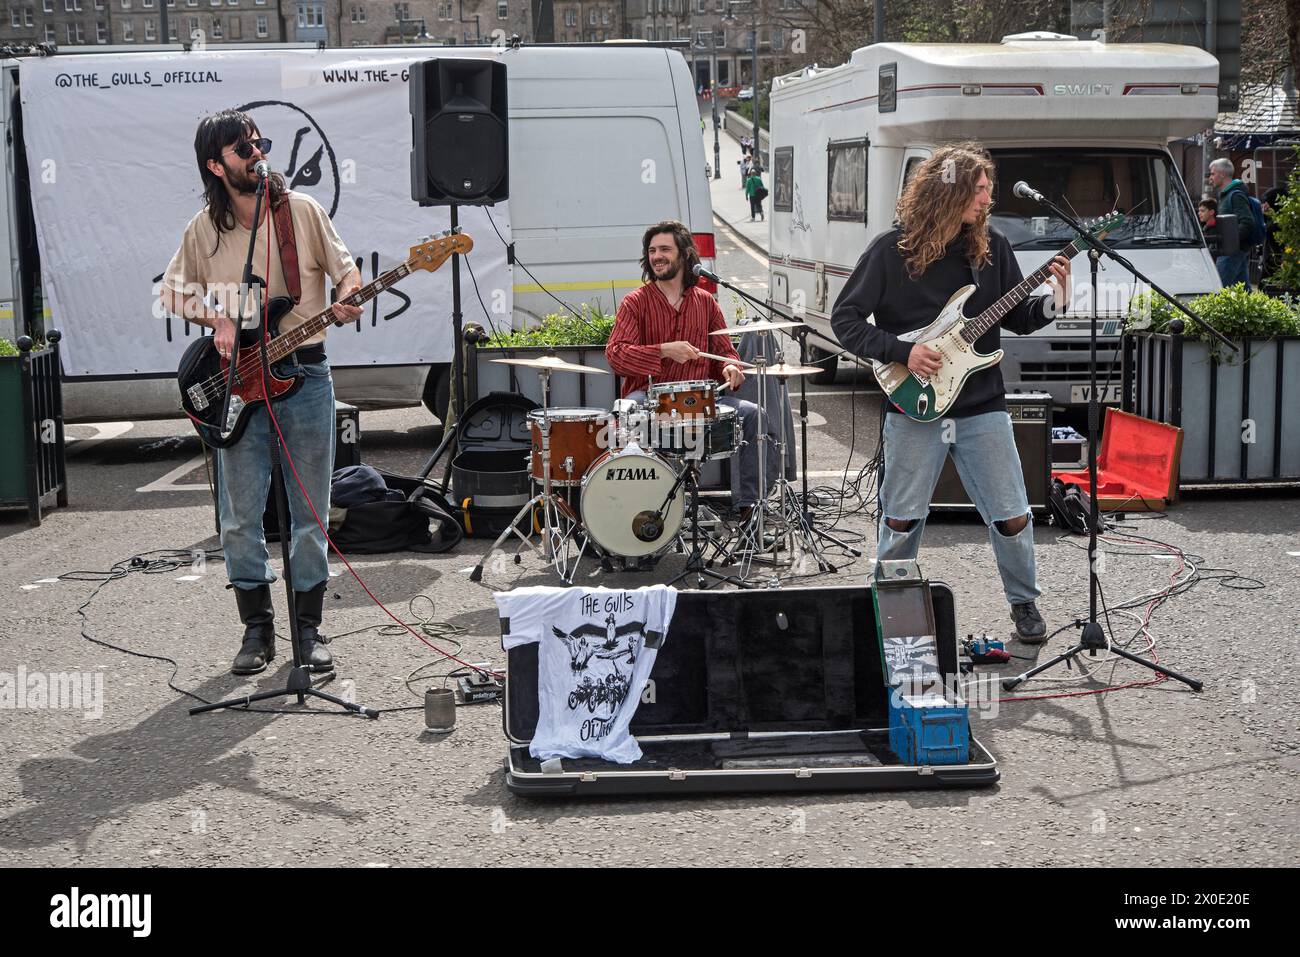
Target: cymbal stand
(800, 536)
(557, 527)
(749, 541)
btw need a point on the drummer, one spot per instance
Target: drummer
(660, 332)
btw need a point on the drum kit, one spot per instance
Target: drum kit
(617, 482)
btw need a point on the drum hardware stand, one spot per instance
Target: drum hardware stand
(695, 563)
(798, 529)
(550, 547)
(805, 512)
(299, 681)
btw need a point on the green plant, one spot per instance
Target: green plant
(591, 328)
(7, 348)
(1287, 217)
(1233, 311)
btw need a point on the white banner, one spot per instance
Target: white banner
(114, 181)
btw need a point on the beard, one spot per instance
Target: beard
(667, 272)
(241, 179)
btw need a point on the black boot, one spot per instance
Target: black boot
(258, 615)
(310, 608)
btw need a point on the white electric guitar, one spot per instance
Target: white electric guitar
(953, 335)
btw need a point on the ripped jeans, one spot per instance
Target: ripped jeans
(984, 452)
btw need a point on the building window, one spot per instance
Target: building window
(194, 25)
(702, 39)
(699, 5)
(49, 33)
(101, 32)
(29, 17)
(15, 17)
(217, 32)
(570, 17)
(358, 14)
(591, 18)
(149, 33)
(503, 10)
(261, 25)
(147, 4)
(778, 38)
(591, 36)
(128, 32)
(126, 4)
(48, 6)
(720, 37)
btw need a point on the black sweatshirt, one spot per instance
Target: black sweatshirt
(880, 287)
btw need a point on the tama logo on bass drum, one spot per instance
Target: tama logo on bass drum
(633, 475)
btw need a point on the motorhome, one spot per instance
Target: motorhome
(1087, 123)
(100, 180)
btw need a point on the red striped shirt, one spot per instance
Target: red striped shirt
(646, 321)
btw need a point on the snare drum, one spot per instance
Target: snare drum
(622, 493)
(691, 399)
(578, 437)
(702, 440)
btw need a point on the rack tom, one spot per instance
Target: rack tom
(578, 437)
(690, 399)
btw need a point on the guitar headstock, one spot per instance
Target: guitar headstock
(1099, 226)
(432, 253)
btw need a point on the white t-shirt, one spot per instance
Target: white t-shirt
(596, 649)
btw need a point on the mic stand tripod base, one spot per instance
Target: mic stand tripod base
(1092, 641)
(299, 684)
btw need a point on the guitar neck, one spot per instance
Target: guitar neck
(281, 346)
(995, 313)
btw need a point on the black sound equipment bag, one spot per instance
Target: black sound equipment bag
(753, 690)
(397, 514)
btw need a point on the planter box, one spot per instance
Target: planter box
(1237, 417)
(568, 389)
(32, 469)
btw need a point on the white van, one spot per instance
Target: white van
(604, 140)
(1086, 123)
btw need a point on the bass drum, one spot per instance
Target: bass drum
(621, 494)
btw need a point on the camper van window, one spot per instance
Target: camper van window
(846, 180)
(783, 179)
(1142, 184)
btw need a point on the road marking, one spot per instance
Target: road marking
(103, 432)
(168, 482)
(739, 243)
(189, 578)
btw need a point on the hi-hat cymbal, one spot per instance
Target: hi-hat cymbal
(551, 363)
(760, 326)
(783, 370)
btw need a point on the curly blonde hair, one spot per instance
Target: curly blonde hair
(930, 210)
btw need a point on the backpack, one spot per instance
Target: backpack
(1252, 233)
(388, 513)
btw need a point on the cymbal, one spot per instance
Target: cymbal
(551, 363)
(761, 326)
(784, 370)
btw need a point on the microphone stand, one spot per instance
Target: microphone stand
(1093, 636)
(299, 681)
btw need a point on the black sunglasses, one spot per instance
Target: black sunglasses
(244, 148)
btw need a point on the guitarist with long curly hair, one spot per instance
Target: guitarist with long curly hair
(201, 284)
(941, 243)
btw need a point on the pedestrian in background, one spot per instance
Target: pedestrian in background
(756, 192)
(1207, 213)
(1234, 200)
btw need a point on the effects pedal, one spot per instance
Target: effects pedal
(479, 687)
(985, 650)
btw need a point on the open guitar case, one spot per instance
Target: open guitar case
(753, 690)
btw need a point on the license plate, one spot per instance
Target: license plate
(1109, 393)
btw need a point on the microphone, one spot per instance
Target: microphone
(702, 273)
(262, 168)
(1025, 191)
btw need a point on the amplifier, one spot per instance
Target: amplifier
(1031, 424)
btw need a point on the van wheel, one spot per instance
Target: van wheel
(829, 363)
(437, 391)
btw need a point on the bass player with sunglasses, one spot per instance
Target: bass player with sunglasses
(201, 285)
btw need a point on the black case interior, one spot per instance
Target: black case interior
(741, 703)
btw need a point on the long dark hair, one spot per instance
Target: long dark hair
(214, 134)
(685, 249)
(933, 201)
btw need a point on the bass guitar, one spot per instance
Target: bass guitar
(203, 371)
(953, 335)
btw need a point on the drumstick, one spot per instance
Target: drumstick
(742, 364)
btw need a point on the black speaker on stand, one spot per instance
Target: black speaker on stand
(460, 155)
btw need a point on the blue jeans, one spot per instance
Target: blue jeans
(307, 420)
(1234, 269)
(984, 451)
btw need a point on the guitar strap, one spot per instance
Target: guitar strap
(288, 244)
